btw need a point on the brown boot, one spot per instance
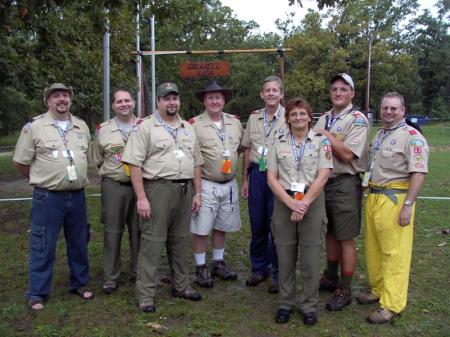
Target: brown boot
(381, 316)
(367, 298)
(340, 299)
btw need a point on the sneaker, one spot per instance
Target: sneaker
(282, 316)
(367, 298)
(340, 299)
(147, 307)
(325, 284)
(109, 287)
(202, 277)
(219, 269)
(381, 316)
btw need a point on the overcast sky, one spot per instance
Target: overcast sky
(265, 12)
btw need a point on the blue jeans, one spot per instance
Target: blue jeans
(263, 255)
(50, 211)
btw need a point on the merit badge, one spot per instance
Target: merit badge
(419, 165)
(118, 157)
(416, 142)
(79, 135)
(418, 158)
(417, 149)
(339, 129)
(393, 142)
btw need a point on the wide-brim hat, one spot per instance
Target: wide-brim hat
(345, 77)
(214, 86)
(55, 87)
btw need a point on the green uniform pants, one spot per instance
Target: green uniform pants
(304, 237)
(118, 209)
(168, 227)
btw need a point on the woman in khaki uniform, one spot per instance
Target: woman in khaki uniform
(297, 172)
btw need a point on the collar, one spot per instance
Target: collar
(343, 112)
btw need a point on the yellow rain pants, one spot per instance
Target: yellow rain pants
(388, 247)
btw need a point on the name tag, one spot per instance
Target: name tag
(55, 154)
(298, 187)
(262, 150)
(226, 153)
(72, 173)
(179, 153)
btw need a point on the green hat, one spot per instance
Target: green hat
(166, 88)
(55, 87)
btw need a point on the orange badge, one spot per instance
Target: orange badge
(226, 166)
(298, 196)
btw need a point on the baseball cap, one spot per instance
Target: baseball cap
(345, 77)
(166, 88)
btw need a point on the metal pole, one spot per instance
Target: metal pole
(202, 52)
(153, 59)
(368, 113)
(138, 64)
(281, 54)
(106, 71)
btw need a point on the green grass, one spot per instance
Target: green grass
(230, 308)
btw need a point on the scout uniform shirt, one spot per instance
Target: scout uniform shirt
(397, 152)
(107, 149)
(316, 155)
(50, 151)
(160, 154)
(254, 137)
(214, 141)
(351, 128)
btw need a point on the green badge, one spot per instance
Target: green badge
(262, 164)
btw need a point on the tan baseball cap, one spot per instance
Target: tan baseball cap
(55, 87)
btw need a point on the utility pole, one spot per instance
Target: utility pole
(368, 112)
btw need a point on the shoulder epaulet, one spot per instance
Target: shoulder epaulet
(192, 120)
(255, 112)
(35, 118)
(140, 120)
(231, 116)
(357, 114)
(76, 117)
(412, 131)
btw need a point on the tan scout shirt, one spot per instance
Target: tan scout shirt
(41, 145)
(352, 129)
(107, 149)
(401, 152)
(212, 146)
(316, 155)
(254, 136)
(152, 148)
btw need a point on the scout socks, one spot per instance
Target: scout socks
(218, 254)
(200, 259)
(332, 270)
(346, 281)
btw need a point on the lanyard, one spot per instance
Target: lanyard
(298, 154)
(384, 134)
(330, 121)
(220, 132)
(125, 134)
(172, 131)
(63, 134)
(271, 124)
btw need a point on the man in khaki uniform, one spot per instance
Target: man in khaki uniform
(347, 130)
(398, 167)
(164, 156)
(118, 198)
(52, 153)
(263, 127)
(219, 135)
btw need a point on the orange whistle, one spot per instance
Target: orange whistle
(226, 166)
(298, 196)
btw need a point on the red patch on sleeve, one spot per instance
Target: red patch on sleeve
(412, 132)
(237, 117)
(98, 126)
(139, 121)
(417, 149)
(192, 121)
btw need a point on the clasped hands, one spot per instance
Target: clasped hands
(299, 209)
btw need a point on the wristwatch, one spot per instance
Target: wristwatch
(408, 203)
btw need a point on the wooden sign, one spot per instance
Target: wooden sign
(204, 69)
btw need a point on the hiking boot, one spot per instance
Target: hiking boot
(282, 316)
(367, 298)
(274, 288)
(254, 280)
(340, 299)
(325, 284)
(380, 316)
(187, 294)
(219, 269)
(202, 277)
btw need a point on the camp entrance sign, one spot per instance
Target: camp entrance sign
(190, 69)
